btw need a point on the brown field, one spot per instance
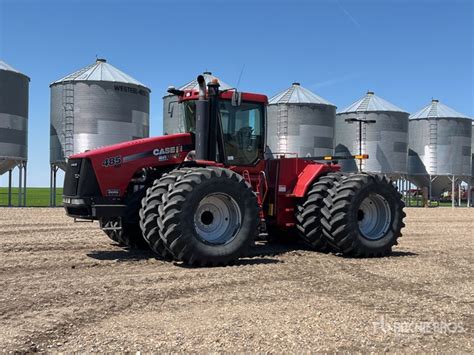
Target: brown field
(66, 287)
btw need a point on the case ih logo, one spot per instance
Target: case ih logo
(168, 150)
(162, 154)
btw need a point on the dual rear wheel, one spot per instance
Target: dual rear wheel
(357, 215)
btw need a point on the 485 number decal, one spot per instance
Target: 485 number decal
(113, 161)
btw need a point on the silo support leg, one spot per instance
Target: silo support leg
(453, 191)
(20, 184)
(469, 195)
(24, 184)
(459, 195)
(54, 186)
(51, 187)
(430, 195)
(9, 188)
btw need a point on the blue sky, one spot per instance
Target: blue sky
(407, 51)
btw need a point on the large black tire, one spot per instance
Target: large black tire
(149, 214)
(130, 234)
(363, 215)
(209, 217)
(308, 213)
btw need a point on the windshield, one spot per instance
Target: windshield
(242, 127)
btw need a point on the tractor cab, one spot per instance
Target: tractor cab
(242, 119)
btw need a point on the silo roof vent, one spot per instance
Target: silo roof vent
(296, 94)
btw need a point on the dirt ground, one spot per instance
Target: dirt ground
(67, 287)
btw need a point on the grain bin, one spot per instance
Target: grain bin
(382, 134)
(14, 87)
(300, 122)
(96, 106)
(173, 114)
(439, 148)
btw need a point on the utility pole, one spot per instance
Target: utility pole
(361, 123)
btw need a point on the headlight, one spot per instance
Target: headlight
(73, 201)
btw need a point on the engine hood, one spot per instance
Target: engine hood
(115, 165)
(137, 145)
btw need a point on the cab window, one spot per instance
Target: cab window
(242, 127)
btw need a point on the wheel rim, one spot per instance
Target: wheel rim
(374, 217)
(114, 224)
(217, 219)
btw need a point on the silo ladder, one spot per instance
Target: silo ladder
(433, 147)
(68, 104)
(282, 130)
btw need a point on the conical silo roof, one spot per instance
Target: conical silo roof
(100, 71)
(371, 103)
(437, 109)
(296, 94)
(7, 67)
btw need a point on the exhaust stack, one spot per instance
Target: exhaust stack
(202, 122)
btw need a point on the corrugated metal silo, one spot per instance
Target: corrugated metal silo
(439, 147)
(173, 114)
(14, 88)
(301, 122)
(14, 92)
(385, 140)
(96, 106)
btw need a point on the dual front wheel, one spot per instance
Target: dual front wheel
(201, 216)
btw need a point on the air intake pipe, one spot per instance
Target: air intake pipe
(208, 126)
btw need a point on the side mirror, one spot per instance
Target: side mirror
(172, 90)
(236, 98)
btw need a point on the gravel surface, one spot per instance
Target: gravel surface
(65, 286)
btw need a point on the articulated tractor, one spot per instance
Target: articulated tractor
(203, 197)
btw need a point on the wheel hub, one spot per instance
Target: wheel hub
(374, 217)
(217, 218)
(207, 218)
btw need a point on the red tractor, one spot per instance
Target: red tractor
(203, 197)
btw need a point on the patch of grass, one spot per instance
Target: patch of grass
(35, 196)
(413, 203)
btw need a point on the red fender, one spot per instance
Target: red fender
(309, 174)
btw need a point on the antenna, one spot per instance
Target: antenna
(240, 76)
